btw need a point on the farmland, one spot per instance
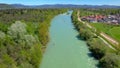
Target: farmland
(111, 30)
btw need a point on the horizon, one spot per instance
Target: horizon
(57, 4)
(64, 2)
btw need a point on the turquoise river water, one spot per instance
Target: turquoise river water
(64, 49)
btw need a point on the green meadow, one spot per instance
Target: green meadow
(111, 30)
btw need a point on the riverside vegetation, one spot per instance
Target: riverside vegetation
(23, 34)
(107, 57)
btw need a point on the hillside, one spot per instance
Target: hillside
(2, 6)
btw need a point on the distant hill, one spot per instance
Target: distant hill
(22, 6)
(56, 6)
(4, 6)
(19, 6)
(76, 6)
(64, 6)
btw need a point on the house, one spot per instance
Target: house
(110, 19)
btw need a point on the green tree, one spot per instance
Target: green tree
(110, 60)
(17, 30)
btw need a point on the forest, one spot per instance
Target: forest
(107, 57)
(24, 34)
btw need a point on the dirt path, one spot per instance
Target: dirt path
(109, 38)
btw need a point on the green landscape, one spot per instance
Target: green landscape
(111, 30)
(101, 51)
(59, 34)
(24, 40)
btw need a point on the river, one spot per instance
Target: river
(64, 49)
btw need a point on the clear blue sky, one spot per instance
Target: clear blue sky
(80, 2)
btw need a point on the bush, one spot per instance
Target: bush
(17, 30)
(85, 33)
(2, 35)
(30, 40)
(110, 60)
(98, 47)
(26, 65)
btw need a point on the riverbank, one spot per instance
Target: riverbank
(107, 57)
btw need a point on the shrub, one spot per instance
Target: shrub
(98, 48)
(17, 30)
(2, 35)
(110, 60)
(30, 40)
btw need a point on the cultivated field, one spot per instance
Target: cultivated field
(111, 30)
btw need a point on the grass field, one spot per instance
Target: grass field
(111, 30)
(115, 33)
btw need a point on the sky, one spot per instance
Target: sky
(78, 2)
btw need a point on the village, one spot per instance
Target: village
(109, 19)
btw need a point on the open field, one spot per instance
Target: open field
(110, 30)
(115, 33)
